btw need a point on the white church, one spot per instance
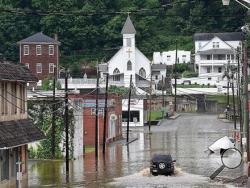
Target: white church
(129, 60)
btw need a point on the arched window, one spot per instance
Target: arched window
(129, 65)
(142, 73)
(116, 75)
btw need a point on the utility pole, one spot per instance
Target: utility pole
(239, 95)
(53, 129)
(105, 114)
(150, 101)
(233, 102)
(67, 122)
(129, 98)
(175, 76)
(163, 101)
(96, 114)
(245, 101)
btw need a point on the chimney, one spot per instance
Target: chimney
(56, 37)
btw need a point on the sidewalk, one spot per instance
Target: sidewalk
(175, 116)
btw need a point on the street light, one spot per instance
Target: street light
(225, 2)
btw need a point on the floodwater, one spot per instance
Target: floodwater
(185, 138)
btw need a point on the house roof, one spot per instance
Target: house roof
(39, 38)
(232, 36)
(158, 67)
(128, 27)
(216, 51)
(16, 72)
(17, 133)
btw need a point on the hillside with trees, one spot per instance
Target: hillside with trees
(90, 29)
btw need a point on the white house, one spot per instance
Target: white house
(169, 57)
(129, 60)
(213, 51)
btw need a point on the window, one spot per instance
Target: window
(134, 116)
(168, 58)
(208, 57)
(208, 69)
(232, 56)
(51, 68)
(27, 65)
(116, 76)
(129, 42)
(184, 58)
(100, 111)
(156, 77)
(51, 49)
(129, 65)
(199, 45)
(38, 50)
(216, 45)
(39, 68)
(26, 50)
(142, 73)
(221, 57)
(228, 56)
(22, 98)
(219, 69)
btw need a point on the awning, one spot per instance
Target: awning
(18, 133)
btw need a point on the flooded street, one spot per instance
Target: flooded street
(185, 138)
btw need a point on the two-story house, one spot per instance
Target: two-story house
(16, 130)
(213, 51)
(40, 54)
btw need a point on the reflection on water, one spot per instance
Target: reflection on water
(185, 139)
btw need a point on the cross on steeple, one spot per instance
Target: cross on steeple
(129, 51)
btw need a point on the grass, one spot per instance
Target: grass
(89, 149)
(220, 98)
(156, 115)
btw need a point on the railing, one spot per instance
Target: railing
(216, 62)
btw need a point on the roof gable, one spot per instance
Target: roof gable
(128, 27)
(39, 38)
(212, 40)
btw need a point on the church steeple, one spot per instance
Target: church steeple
(128, 27)
(128, 32)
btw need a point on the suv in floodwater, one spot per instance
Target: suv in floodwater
(162, 164)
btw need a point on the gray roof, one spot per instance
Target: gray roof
(16, 72)
(233, 36)
(39, 38)
(158, 67)
(128, 27)
(216, 51)
(19, 132)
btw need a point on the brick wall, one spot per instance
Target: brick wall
(32, 59)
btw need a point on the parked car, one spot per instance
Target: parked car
(162, 164)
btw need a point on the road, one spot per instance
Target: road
(185, 138)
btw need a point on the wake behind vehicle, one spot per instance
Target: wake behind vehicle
(162, 164)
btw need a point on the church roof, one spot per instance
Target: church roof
(39, 38)
(128, 27)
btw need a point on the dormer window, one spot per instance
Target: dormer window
(38, 50)
(216, 44)
(129, 66)
(26, 50)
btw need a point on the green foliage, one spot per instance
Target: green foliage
(47, 85)
(98, 36)
(189, 74)
(41, 114)
(180, 68)
(118, 90)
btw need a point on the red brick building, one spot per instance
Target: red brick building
(40, 54)
(114, 117)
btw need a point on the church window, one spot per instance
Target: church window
(129, 42)
(129, 65)
(142, 73)
(116, 75)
